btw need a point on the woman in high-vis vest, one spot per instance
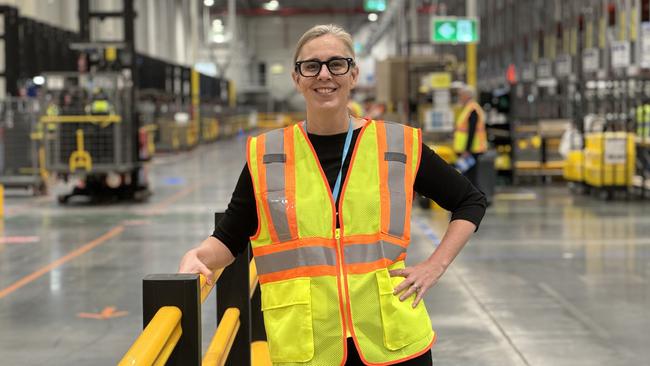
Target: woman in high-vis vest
(470, 137)
(326, 204)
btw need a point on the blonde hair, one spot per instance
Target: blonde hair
(321, 30)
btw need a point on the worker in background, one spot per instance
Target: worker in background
(355, 108)
(52, 108)
(100, 103)
(326, 205)
(470, 138)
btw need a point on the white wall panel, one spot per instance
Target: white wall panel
(60, 13)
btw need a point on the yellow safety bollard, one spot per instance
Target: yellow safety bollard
(2, 200)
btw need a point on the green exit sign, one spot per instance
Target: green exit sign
(374, 5)
(454, 30)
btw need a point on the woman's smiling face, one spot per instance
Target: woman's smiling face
(325, 91)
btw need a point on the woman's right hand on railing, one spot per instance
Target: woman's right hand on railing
(210, 255)
(190, 263)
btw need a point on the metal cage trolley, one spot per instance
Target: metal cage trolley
(22, 157)
(91, 136)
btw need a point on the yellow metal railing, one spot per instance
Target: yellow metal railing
(157, 341)
(104, 120)
(223, 339)
(226, 332)
(205, 287)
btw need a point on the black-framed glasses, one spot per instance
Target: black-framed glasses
(336, 66)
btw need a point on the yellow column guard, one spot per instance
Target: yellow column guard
(155, 338)
(223, 339)
(80, 158)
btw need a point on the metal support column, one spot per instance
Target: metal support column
(233, 291)
(471, 48)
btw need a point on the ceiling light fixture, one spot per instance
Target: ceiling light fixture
(272, 5)
(38, 80)
(373, 17)
(208, 2)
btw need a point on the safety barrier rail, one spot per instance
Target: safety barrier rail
(172, 319)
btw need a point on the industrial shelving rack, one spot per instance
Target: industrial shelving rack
(21, 153)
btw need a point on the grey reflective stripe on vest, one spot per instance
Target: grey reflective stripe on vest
(368, 253)
(275, 184)
(396, 174)
(295, 258)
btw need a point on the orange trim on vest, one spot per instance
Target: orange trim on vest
(290, 181)
(373, 238)
(257, 207)
(365, 268)
(463, 124)
(306, 271)
(294, 244)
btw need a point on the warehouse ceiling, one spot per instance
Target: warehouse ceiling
(292, 7)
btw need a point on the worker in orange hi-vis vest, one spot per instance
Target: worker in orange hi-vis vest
(326, 205)
(470, 138)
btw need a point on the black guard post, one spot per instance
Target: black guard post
(182, 291)
(257, 319)
(232, 292)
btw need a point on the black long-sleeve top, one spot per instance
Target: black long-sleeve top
(435, 179)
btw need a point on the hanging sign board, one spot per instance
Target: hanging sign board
(645, 45)
(615, 150)
(440, 80)
(620, 54)
(590, 60)
(544, 69)
(454, 30)
(528, 73)
(563, 66)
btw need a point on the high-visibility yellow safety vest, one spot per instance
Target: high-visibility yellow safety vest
(318, 282)
(479, 144)
(100, 106)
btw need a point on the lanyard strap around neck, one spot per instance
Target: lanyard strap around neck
(346, 148)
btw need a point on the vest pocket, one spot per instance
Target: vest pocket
(288, 320)
(401, 323)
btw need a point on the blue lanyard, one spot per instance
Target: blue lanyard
(346, 148)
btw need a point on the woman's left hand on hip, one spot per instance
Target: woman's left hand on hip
(418, 280)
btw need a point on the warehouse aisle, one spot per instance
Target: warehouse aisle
(550, 279)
